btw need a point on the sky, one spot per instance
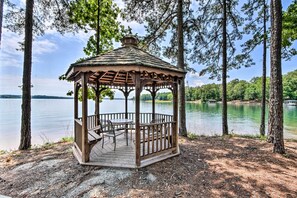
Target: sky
(53, 54)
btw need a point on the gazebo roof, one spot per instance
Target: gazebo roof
(124, 61)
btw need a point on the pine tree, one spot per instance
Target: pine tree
(257, 16)
(213, 34)
(162, 19)
(275, 122)
(26, 87)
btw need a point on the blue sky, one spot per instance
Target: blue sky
(53, 53)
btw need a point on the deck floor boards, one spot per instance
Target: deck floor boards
(123, 155)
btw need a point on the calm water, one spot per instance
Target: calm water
(53, 119)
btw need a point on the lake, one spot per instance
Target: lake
(52, 119)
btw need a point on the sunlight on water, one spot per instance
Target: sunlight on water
(53, 119)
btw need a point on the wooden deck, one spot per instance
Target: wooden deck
(123, 156)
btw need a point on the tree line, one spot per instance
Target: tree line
(236, 90)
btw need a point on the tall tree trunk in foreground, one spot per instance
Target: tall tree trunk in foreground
(180, 64)
(263, 101)
(1, 18)
(26, 88)
(224, 72)
(97, 99)
(275, 122)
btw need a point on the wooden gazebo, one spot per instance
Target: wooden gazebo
(127, 68)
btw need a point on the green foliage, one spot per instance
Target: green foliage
(165, 96)
(192, 136)
(47, 15)
(254, 24)
(92, 94)
(237, 90)
(85, 14)
(290, 85)
(289, 32)
(67, 139)
(207, 38)
(259, 137)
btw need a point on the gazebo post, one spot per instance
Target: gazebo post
(76, 88)
(126, 94)
(97, 103)
(137, 118)
(175, 115)
(153, 93)
(85, 145)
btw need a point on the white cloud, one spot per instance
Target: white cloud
(195, 83)
(42, 46)
(11, 57)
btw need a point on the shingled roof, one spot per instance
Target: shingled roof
(127, 56)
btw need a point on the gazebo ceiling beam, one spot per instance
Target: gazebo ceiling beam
(115, 76)
(132, 69)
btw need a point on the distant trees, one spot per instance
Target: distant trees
(290, 85)
(237, 90)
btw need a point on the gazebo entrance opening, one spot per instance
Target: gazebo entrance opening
(145, 137)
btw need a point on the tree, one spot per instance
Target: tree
(275, 122)
(97, 15)
(180, 64)
(214, 45)
(289, 33)
(26, 87)
(164, 18)
(1, 18)
(257, 27)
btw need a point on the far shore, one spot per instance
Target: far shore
(199, 101)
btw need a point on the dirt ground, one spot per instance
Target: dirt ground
(207, 167)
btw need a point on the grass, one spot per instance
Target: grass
(67, 139)
(258, 137)
(192, 136)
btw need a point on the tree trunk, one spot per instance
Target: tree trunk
(98, 30)
(275, 122)
(180, 64)
(224, 72)
(263, 101)
(26, 87)
(1, 18)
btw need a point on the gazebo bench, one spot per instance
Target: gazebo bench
(93, 137)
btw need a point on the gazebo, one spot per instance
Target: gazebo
(154, 136)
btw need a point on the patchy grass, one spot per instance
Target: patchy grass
(291, 140)
(257, 137)
(192, 136)
(67, 139)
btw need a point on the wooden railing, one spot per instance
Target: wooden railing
(156, 138)
(144, 118)
(78, 133)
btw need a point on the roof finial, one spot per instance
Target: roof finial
(129, 40)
